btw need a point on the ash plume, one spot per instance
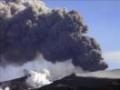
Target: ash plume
(34, 38)
(28, 27)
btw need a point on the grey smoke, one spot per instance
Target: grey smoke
(28, 27)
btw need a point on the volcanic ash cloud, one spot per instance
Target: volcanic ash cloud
(29, 28)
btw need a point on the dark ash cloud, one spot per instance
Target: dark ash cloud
(27, 29)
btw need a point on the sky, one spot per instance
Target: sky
(103, 20)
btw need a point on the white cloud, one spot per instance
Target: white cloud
(112, 55)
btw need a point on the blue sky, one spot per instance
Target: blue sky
(103, 20)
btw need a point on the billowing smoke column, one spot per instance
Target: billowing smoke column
(29, 28)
